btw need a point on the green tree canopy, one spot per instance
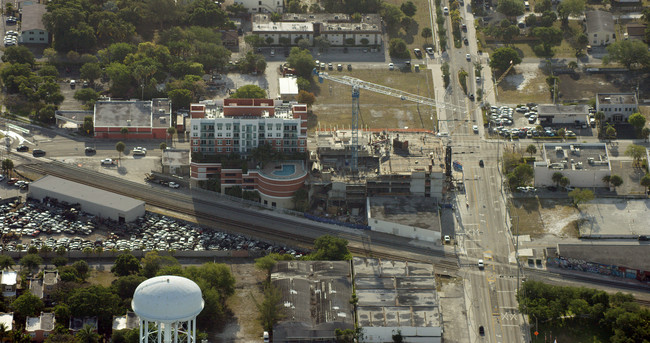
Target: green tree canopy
(31, 261)
(126, 264)
(397, 48)
(302, 61)
(152, 262)
(28, 305)
(568, 8)
(249, 92)
(6, 262)
(510, 8)
(631, 53)
(18, 54)
(637, 152)
(330, 248)
(580, 196)
(391, 15)
(408, 8)
(503, 57)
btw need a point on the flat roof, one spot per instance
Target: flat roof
(562, 109)
(283, 27)
(128, 321)
(86, 193)
(395, 293)
(631, 255)
(415, 211)
(175, 157)
(7, 319)
(617, 98)
(9, 278)
(586, 156)
(288, 86)
(32, 16)
(36, 287)
(50, 277)
(44, 322)
(123, 113)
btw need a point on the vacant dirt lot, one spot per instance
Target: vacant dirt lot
(333, 107)
(525, 83)
(585, 86)
(539, 217)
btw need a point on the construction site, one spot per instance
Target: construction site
(409, 163)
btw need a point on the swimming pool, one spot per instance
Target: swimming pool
(287, 169)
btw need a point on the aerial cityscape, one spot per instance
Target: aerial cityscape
(377, 171)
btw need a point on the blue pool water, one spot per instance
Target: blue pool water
(287, 169)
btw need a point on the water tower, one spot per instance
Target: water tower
(167, 307)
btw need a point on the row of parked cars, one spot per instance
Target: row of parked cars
(529, 132)
(329, 66)
(11, 38)
(55, 224)
(35, 152)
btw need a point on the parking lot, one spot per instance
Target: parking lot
(523, 122)
(59, 226)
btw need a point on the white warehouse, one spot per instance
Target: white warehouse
(92, 200)
(584, 164)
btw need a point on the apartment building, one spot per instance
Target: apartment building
(617, 107)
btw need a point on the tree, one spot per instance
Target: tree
(6, 262)
(86, 95)
(543, 6)
(266, 263)
(531, 149)
(120, 146)
(564, 181)
(570, 8)
(426, 33)
(87, 334)
(645, 133)
(610, 132)
(637, 120)
(302, 61)
(82, 269)
(580, 195)
(503, 57)
(180, 97)
(607, 179)
(510, 8)
(408, 8)
(18, 54)
(31, 261)
(249, 92)
(152, 262)
(124, 286)
(162, 146)
(270, 309)
(637, 152)
(7, 166)
(330, 248)
(306, 97)
(557, 177)
(391, 15)
(579, 42)
(397, 48)
(322, 43)
(632, 54)
(28, 305)
(91, 72)
(59, 261)
(126, 264)
(254, 40)
(171, 131)
(645, 181)
(616, 180)
(509, 33)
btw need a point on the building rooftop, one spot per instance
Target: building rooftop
(36, 287)
(133, 113)
(9, 278)
(288, 86)
(7, 319)
(563, 109)
(128, 321)
(631, 255)
(283, 170)
(86, 193)
(617, 98)
(316, 297)
(599, 21)
(44, 322)
(395, 293)
(636, 30)
(415, 211)
(32, 16)
(307, 28)
(50, 277)
(77, 323)
(561, 156)
(175, 157)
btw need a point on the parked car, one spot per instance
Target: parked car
(173, 185)
(429, 50)
(468, 57)
(107, 161)
(349, 67)
(481, 330)
(464, 27)
(445, 10)
(139, 151)
(475, 128)
(22, 148)
(11, 20)
(417, 52)
(391, 66)
(481, 265)
(11, 33)
(447, 239)
(481, 164)
(330, 66)
(339, 67)
(90, 150)
(38, 152)
(73, 83)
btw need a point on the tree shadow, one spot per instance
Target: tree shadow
(122, 170)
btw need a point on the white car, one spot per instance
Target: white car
(480, 264)
(391, 66)
(139, 151)
(468, 57)
(173, 185)
(429, 50)
(475, 128)
(107, 161)
(447, 239)
(445, 10)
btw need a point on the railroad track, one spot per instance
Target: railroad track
(187, 205)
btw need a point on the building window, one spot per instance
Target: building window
(302, 149)
(203, 142)
(196, 141)
(269, 127)
(278, 126)
(219, 126)
(219, 134)
(278, 135)
(227, 149)
(195, 127)
(219, 142)
(218, 149)
(227, 126)
(227, 141)
(227, 134)
(195, 149)
(31, 38)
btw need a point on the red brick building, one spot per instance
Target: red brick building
(145, 119)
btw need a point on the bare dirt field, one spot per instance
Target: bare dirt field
(585, 86)
(525, 83)
(539, 217)
(333, 105)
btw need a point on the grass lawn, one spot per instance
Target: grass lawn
(528, 212)
(568, 331)
(101, 277)
(333, 106)
(412, 36)
(564, 50)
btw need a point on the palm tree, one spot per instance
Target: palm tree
(120, 146)
(6, 262)
(4, 332)
(7, 166)
(531, 149)
(564, 181)
(557, 177)
(171, 131)
(607, 179)
(124, 131)
(645, 181)
(87, 334)
(616, 181)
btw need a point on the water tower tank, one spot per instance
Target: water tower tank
(167, 307)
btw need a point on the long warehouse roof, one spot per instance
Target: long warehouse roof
(86, 193)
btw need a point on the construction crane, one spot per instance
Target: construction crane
(357, 85)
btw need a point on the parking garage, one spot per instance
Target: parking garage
(92, 200)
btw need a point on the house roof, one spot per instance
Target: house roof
(77, 324)
(128, 321)
(599, 21)
(7, 319)
(636, 30)
(36, 287)
(9, 278)
(32, 17)
(45, 322)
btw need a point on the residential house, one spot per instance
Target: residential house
(126, 322)
(617, 107)
(77, 324)
(43, 287)
(32, 29)
(262, 6)
(8, 282)
(636, 31)
(600, 27)
(39, 328)
(7, 319)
